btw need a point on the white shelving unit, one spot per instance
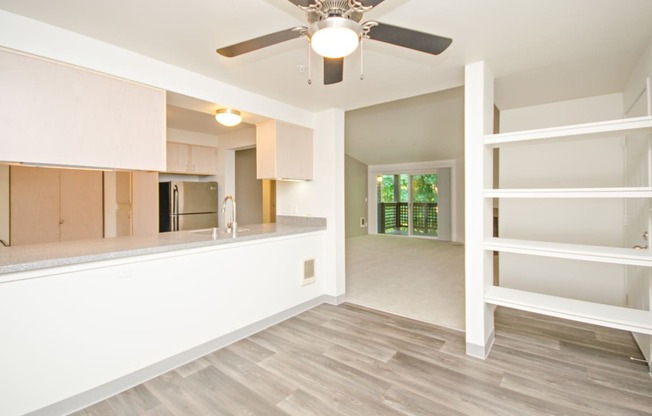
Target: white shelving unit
(570, 193)
(600, 314)
(480, 195)
(599, 254)
(633, 320)
(599, 130)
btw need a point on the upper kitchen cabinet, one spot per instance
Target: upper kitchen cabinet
(283, 151)
(190, 158)
(57, 114)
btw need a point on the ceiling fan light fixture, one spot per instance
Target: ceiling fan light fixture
(335, 37)
(228, 117)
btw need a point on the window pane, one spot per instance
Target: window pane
(424, 207)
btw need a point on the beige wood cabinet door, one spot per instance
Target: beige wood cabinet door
(34, 205)
(284, 151)
(84, 118)
(178, 157)
(145, 203)
(81, 204)
(123, 204)
(203, 160)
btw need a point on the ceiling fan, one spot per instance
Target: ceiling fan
(334, 30)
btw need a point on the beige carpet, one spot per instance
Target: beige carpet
(416, 278)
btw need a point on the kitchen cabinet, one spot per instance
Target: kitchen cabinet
(284, 151)
(190, 158)
(145, 203)
(62, 115)
(50, 205)
(130, 203)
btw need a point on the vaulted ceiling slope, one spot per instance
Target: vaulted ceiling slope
(539, 50)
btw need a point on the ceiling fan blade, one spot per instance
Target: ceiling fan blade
(333, 70)
(368, 3)
(258, 43)
(304, 3)
(419, 41)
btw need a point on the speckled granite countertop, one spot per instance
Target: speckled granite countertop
(42, 256)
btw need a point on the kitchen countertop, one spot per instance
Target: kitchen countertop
(42, 256)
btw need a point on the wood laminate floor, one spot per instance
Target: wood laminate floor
(349, 360)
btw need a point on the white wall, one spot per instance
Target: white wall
(594, 163)
(356, 198)
(638, 78)
(444, 205)
(324, 195)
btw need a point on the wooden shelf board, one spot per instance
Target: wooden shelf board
(641, 192)
(602, 129)
(600, 254)
(627, 319)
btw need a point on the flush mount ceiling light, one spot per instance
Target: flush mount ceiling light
(335, 37)
(228, 117)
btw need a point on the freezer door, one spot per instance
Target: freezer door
(195, 197)
(196, 221)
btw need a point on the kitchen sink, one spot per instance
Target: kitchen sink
(218, 231)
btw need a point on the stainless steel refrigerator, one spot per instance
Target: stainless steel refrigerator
(187, 205)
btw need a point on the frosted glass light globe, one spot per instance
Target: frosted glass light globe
(335, 37)
(228, 117)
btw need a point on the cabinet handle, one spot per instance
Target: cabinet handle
(60, 222)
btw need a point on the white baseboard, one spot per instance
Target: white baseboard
(481, 351)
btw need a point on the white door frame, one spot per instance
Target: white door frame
(636, 295)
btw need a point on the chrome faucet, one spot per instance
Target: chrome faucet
(231, 225)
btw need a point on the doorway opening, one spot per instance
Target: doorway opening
(256, 197)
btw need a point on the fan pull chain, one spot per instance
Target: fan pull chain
(362, 58)
(309, 64)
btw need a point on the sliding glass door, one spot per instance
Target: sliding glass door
(407, 204)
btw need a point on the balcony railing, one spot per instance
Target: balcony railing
(394, 218)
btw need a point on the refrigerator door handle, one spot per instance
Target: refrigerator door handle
(175, 208)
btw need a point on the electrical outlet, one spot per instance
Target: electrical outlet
(308, 272)
(363, 222)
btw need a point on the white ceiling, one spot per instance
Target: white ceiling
(539, 50)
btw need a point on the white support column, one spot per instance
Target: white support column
(478, 121)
